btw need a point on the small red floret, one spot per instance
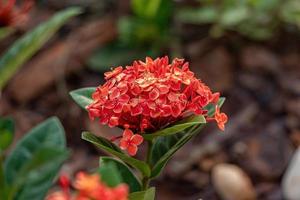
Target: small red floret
(130, 142)
(221, 118)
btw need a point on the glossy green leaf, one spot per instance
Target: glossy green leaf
(24, 48)
(113, 172)
(178, 127)
(143, 195)
(6, 133)
(31, 160)
(37, 176)
(165, 147)
(111, 148)
(83, 96)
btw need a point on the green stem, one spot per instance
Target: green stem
(2, 178)
(146, 180)
(149, 152)
(6, 192)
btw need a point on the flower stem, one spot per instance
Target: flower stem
(149, 152)
(146, 180)
(2, 182)
(4, 192)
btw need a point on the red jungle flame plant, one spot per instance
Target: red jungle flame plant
(148, 96)
(89, 187)
(11, 15)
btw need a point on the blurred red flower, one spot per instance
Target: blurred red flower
(89, 187)
(148, 96)
(11, 15)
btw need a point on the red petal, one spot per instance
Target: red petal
(124, 98)
(136, 110)
(176, 110)
(115, 72)
(93, 112)
(123, 87)
(135, 90)
(137, 139)
(123, 144)
(127, 134)
(132, 149)
(115, 93)
(134, 102)
(154, 94)
(172, 96)
(113, 121)
(155, 113)
(103, 120)
(163, 89)
(118, 108)
(215, 97)
(166, 110)
(151, 105)
(110, 104)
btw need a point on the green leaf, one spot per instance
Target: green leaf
(234, 16)
(158, 11)
(83, 96)
(165, 147)
(6, 133)
(113, 172)
(290, 12)
(4, 32)
(143, 195)
(208, 14)
(32, 160)
(24, 48)
(145, 8)
(178, 127)
(111, 148)
(36, 177)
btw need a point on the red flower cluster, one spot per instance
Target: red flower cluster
(89, 187)
(147, 96)
(12, 16)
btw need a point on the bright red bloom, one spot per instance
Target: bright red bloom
(130, 141)
(221, 118)
(148, 96)
(10, 15)
(90, 187)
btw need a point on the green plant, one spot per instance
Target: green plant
(143, 33)
(24, 48)
(255, 19)
(163, 103)
(29, 170)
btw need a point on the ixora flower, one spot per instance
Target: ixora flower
(10, 15)
(89, 187)
(148, 96)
